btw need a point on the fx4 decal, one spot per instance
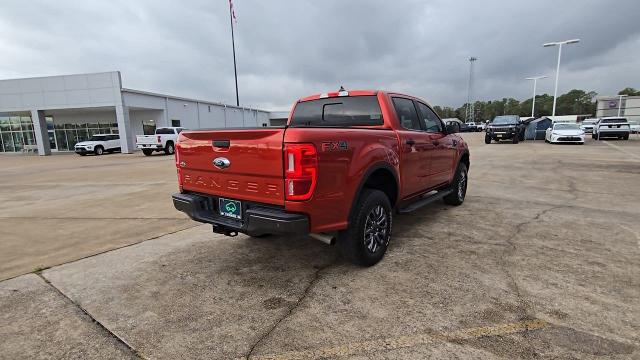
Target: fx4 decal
(334, 146)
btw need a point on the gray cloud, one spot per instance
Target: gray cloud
(289, 49)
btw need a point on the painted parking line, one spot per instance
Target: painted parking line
(636, 157)
(406, 341)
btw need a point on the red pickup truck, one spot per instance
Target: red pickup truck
(340, 169)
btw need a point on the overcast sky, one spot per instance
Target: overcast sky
(289, 49)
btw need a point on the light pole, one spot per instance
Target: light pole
(535, 83)
(559, 44)
(620, 103)
(469, 106)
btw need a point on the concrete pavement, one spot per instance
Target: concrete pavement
(541, 261)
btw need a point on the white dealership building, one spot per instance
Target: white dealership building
(53, 113)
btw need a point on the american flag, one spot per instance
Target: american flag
(233, 12)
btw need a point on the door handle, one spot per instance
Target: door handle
(410, 142)
(435, 142)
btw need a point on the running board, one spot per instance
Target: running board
(425, 200)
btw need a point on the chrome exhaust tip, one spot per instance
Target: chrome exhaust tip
(327, 239)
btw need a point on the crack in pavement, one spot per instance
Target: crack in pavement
(101, 326)
(292, 308)
(510, 250)
(524, 306)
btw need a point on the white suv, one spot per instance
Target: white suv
(98, 144)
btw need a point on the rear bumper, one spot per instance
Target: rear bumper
(257, 219)
(612, 133)
(149, 146)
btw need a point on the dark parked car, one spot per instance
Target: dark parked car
(461, 125)
(505, 127)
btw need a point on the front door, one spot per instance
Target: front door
(444, 149)
(52, 140)
(415, 148)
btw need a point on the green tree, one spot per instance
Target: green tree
(445, 112)
(629, 91)
(576, 102)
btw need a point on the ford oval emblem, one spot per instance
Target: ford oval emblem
(221, 163)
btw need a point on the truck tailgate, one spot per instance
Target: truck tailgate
(147, 139)
(254, 171)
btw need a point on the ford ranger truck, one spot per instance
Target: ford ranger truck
(342, 167)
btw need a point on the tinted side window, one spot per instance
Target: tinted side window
(338, 111)
(406, 113)
(164, 131)
(429, 119)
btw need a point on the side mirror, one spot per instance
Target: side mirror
(453, 127)
(548, 128)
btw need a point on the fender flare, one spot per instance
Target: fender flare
(376, 166)
(462, 154)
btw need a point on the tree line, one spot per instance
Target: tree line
(574, 102)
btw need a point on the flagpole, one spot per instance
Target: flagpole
(233, 44)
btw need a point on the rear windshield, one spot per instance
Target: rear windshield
(617, 120)
(338, 111)
(164, 131)
(567, 126)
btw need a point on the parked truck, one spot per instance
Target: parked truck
(164, 139)
(340, 169)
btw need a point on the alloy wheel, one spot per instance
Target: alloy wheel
(376, 229)
(462, 185)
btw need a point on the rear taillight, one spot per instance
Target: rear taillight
(159, 141)
(179, 165)
(300, 171)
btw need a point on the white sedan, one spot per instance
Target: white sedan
(564, 133)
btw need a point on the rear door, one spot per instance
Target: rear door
(242, 164)
(415, 145)
(113, 141)
(444, 149)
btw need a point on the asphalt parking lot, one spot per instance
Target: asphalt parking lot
(541, 261)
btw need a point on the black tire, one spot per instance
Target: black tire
(366, 239)
(82, 154)
(593, 136)
(98, 150)
(487, 139)
(626, 137)
(515, 139)
(459, 186)
(169, 149)
(147, 152)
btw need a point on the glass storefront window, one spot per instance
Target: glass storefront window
(17, 131)
(4, 123)
(61, 139)
(7, 141)
(15, 123)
